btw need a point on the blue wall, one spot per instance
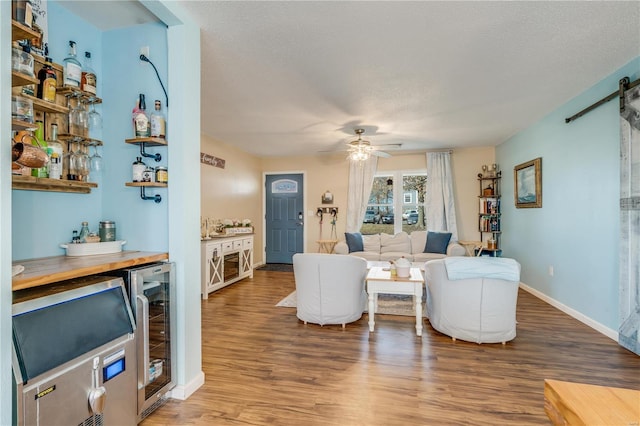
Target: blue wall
(42, 220)
(577, 230)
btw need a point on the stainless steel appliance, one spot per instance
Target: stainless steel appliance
(151, 291)
(74, 354)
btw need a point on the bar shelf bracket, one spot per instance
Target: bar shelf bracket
(157, 157)
(157, 198)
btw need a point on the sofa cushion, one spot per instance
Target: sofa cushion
(418, 241)
(395, 243)
(354, 241)
(395, 255)
(425, 257)
(437, 242)
(371, 243)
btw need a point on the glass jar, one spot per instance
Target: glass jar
(21, 61)
(162, 175)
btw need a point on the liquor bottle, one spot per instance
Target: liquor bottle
(134, 112)
(89, 78)
(55, 159)
(141, 120)
(72, 68)
(48, 82)
(158, 122)
(39, 141)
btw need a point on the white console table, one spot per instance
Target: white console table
(224, 261)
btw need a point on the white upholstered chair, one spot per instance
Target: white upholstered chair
(330, 288)
(479, 304)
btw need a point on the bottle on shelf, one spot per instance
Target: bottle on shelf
(158, 122)
(89, 80)
(138, 170)
(55, 159)
(141, 122)
(84, 232)
(41, 172)
(48, 81)
(72, 68)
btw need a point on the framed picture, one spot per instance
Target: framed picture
(528, 183)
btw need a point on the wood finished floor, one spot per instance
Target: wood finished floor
(265, 367)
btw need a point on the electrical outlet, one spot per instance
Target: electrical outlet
(144, 50)
(550, 270)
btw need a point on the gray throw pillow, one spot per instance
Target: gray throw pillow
(354, 241)
(437, 242)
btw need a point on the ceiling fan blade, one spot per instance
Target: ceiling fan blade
(380, 154)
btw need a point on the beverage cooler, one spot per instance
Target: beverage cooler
(74, 354)
(151, 290)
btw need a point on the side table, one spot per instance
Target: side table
(379, 280)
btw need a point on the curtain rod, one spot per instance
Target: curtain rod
(623, 85)
(450, 151)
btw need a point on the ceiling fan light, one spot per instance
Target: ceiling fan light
(359, 154)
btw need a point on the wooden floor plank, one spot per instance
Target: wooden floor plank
(265, 367)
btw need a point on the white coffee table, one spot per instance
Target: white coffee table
(379, 281)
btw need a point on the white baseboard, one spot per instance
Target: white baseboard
(183, 392)
(612, 334)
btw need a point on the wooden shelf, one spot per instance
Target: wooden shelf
(44, 106)
(147, 184)
(20, 79)
(20, 31)
(22, 125)
(31, 183)
(147, 141)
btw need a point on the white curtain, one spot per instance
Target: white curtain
(361, 174)
(439, 204)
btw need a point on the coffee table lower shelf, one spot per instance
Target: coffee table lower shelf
(379, 280)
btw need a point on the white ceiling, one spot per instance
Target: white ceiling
(296, 77)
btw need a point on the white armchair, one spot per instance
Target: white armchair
(478, 305)
(330, 288)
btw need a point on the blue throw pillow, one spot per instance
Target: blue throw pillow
(437, 242)
(354, 241)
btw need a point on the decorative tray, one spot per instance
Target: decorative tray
(88, 249)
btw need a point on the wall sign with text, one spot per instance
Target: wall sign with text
(211, 160)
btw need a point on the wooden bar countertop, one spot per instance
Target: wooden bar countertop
(582, 404)
(47, 270)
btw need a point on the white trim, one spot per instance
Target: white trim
(612, 334)
(183, 392)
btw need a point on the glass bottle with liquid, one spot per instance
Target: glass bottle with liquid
(89, 79)
(84, 232)
(141, 119)
(158, 122)
(55, 159)
(41, 172)
(72, 68)
(48, 81)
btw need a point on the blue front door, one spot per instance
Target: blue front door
(284, 217)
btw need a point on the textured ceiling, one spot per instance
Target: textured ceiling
(296, 77)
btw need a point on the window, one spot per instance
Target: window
(396, 203)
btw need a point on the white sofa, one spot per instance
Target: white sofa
(478, 305)
(330, 289)
(386, 247)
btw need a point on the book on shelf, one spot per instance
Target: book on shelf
(489, 205)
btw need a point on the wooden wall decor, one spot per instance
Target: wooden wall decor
(211, 160)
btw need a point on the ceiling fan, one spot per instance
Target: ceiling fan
(361, 149)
